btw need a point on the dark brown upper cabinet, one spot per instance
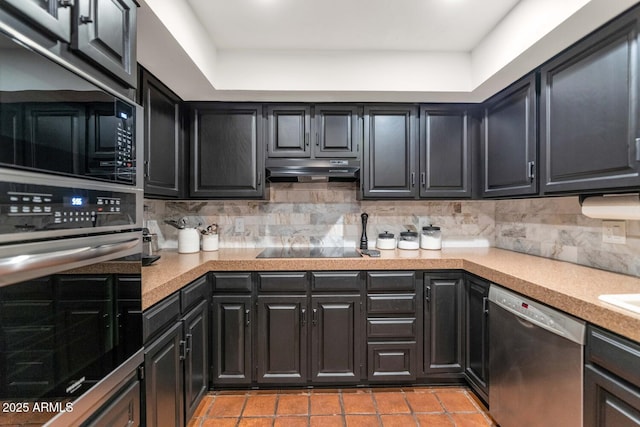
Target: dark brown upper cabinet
(105, 32)
(337, 131)
(289, 131)
(163, 139)
(589, 112)
(313, 131)
(445, 156)
(509, 141)
(227, 147)
(52, 16)
(390, 162)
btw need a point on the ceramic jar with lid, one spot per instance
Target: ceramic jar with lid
(431, 238)
(409, 240)
(386, 240)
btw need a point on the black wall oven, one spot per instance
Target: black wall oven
(70, 239)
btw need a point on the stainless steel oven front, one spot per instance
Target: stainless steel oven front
(70, 239)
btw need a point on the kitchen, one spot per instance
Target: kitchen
(491, 233)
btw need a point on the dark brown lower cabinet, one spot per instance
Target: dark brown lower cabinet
(611, 380)
(196, 358)
(124, 411)
(392, 361)
(336, 340)
(164, 380)
(443, 344)
(476, 323)
(281, 352)
(231, 329)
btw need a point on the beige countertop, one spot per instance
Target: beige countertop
(566, 286)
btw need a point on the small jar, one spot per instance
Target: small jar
(408, 240)
(386, 241)
(431, 238)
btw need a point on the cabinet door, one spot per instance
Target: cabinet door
(389, 161)
(609, 401)
(442, 324)
(163, 150)
(47, 125)
(227, 151)
(337, 131)
(196, 362)
(589, 112)
(509, 144)
(336, 339)
(124, 411)
(282, 339)
(289, 131)
(105, 32)
(50, 15)
(163, 379)
(231, 339)
(477, 335)
(445, 166)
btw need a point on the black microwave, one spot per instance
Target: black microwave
(54, 119)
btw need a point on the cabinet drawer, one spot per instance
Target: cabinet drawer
(392, 361)
(193, 293)
(391, 281)
(159, 317)
(283, 282)
(614, 353)
(232, 282)
(335, 281)
(391, 303)
(392, 328)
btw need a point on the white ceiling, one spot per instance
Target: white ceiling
(357, 50)
(417, 25)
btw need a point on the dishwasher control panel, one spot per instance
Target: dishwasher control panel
(539, 314)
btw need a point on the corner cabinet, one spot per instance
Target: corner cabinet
(227, 151)
(589, 125)
(509, 144)
(443, 326)
(476, 330)
(163, 138)
(389, 160)
(445, 153)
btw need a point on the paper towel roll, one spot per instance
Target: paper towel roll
(624, 206)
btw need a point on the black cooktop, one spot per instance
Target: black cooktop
(309, 253)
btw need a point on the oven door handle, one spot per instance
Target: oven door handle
(18, 264)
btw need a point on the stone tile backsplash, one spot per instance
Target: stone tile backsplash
(328, 214)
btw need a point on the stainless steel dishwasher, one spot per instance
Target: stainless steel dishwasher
(535, 363)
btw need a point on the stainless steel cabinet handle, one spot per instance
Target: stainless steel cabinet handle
(189, 343)
(65, 3)
(303, 316)
(247, 318)
(413, 179)
(306, 139)
(423, 179)
(485, 305)
(183, 349)
(317, 139)
(531, 171)
(314, 318)
(427, 294)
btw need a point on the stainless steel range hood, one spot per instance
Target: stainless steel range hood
(312, 170)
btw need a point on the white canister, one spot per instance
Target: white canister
(188, 240)
(386, 241)
(210, 242)
(431, 238)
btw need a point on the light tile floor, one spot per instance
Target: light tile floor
(388, 407)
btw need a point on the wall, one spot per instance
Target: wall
(320, 214)
(555, 228)
(328, 214)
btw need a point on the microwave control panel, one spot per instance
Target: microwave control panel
(32, 208)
